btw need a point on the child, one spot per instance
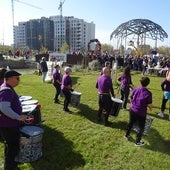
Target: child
(141, 99)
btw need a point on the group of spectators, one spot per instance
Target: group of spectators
(137, 63)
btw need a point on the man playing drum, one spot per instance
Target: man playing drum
(105, 88)
(10, 118)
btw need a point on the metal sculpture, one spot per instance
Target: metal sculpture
(97, 49)
(142, 28)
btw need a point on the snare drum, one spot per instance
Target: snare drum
(116, 105)
(147, 128)
(24, 98)
(29, 102)
(32, 111)
(75, 98)
(167, 94)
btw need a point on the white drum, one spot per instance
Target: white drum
(32, 111)
(24, 98)
(116, 105)
(75, 98)
(28, 108)
(29, 102)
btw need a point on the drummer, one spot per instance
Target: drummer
(105, 88)
(56, 80)
(165, 85)
(10, 117)
(141, 99)
(66, 88)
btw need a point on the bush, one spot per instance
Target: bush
(77, 67)
(94, 65)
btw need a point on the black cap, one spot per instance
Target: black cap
(11, 73)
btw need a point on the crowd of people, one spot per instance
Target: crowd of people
(145, 64)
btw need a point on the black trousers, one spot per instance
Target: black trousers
(163, 105)
(104, 106)
(58, 90)
(135, 118)
(67, 99)
(11, 137)
(124, 91)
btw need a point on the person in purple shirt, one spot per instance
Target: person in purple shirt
(66, 88)
(165, 86)
(126, 83)
(105, 88)
(10, 118)
(141, 99)
(56, 80)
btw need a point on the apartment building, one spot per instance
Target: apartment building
(53, 32)
(19, 35)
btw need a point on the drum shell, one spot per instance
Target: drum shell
(75, 99)
(116, 106)
(36, 114)
(30, 144)
(29, 102)
(147, 127)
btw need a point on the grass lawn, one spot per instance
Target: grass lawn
(77, 142)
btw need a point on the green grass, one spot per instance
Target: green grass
(77, 142)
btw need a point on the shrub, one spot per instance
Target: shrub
(94, 65)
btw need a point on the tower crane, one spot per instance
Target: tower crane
(61, 11)
(25, 3)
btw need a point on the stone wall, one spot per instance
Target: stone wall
(13, 64)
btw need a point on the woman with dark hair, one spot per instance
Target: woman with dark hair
(126, 84)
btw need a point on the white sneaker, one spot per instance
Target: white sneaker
(141, 143)
(161, 114)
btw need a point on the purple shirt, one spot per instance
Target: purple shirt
(66, 81)
(165, 85)
(56, 76)
(125, 80)
(140, 98)
(9, 95)
(104, 84)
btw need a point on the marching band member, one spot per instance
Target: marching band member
(105, 88)
(165, 85)
(141, 99)
(66, 88)
(10, 118)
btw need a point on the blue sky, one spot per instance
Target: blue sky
(106, 14)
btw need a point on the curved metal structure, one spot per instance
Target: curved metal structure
(143, 28)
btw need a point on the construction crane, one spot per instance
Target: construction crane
(25, 3)
(61, 11)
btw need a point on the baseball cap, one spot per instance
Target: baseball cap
(11, 73)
